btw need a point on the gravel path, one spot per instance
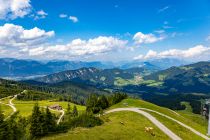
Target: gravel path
(182, 124)
(162, 127)
(10, 104)
(61, 116)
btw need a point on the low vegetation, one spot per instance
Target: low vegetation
(141, 103)
(117, 126)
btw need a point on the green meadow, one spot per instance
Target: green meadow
(133, 127)
(25, 107)
(186, 120)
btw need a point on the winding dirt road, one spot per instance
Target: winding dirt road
(162, 127)
(61, 116)
(159, 124)
(10, 104)
(180, 123)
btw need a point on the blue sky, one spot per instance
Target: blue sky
(117, 29)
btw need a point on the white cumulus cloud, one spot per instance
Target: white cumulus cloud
(197, 52)
(141, 38)
(80, 48)
(16, 36)
(11, 9)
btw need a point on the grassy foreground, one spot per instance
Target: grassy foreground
(133, 128)
(176, 128)
(140, 103)
(134, 125)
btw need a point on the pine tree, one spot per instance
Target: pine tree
(36, 126)
(3, 127)
(14, 129)
(49, 121)
(68, 109)
(1, 116)
(103, 102)
(75, 112)
(91, 103)
(69, 98)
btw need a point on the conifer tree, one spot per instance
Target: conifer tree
(91, 103)
(3, 127)
(75, 112)
(1, 116)
(68, 109)
(103, 102)
(49, 121)
(36, 126)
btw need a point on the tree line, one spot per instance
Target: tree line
(97, 103)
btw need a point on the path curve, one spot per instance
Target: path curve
(10, 104)
(15, 109)
(182, 124)
(61, 116)
(162, 127)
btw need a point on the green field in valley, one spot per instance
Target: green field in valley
(6, 110)
(25, 107)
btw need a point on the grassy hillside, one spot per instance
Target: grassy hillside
(134, 125)
(6, 110)
(140, 103)
(25, 107)
(178, 129)
(187, 113)
(186, 79)
(112, 129)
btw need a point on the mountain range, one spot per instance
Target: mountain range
(188, 78)
(20, 69)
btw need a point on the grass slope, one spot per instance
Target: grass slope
(134, 125)
(170, 124)
(26, 107)
(6, 110)
(187, 113)
(112, 129)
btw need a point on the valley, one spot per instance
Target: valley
(104, 70)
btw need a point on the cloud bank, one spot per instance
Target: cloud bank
(16, 36)
(12, 9)
(197, 52)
